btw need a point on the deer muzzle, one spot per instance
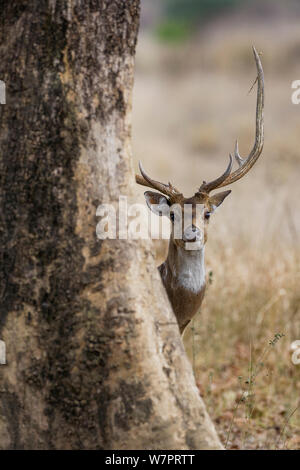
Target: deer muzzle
(193, 234)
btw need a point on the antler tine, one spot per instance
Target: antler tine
(145, 180)
(207, 187)
(247, 163)
(237, 156)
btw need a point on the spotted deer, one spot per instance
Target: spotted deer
(183, 272)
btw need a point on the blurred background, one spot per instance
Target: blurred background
(194, 70)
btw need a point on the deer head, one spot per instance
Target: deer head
(170, 201)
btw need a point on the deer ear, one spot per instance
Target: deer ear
(158, 203)
(217, 199)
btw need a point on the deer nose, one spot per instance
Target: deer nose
(192, 234)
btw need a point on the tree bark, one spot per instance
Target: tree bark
(94, 355)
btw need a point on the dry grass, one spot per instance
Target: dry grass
(190, 104)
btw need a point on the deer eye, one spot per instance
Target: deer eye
(207, 215)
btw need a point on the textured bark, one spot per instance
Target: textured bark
(93, 360)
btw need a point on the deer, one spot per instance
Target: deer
(183, 271)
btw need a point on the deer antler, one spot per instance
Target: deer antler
(245, 164)
(167, 189)
(207, 187)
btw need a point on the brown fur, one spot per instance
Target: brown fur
(185, 302)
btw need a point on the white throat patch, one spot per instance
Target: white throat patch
(191, 270)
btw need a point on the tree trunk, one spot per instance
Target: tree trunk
(94, 356)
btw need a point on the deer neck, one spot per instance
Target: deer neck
(186, 267)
